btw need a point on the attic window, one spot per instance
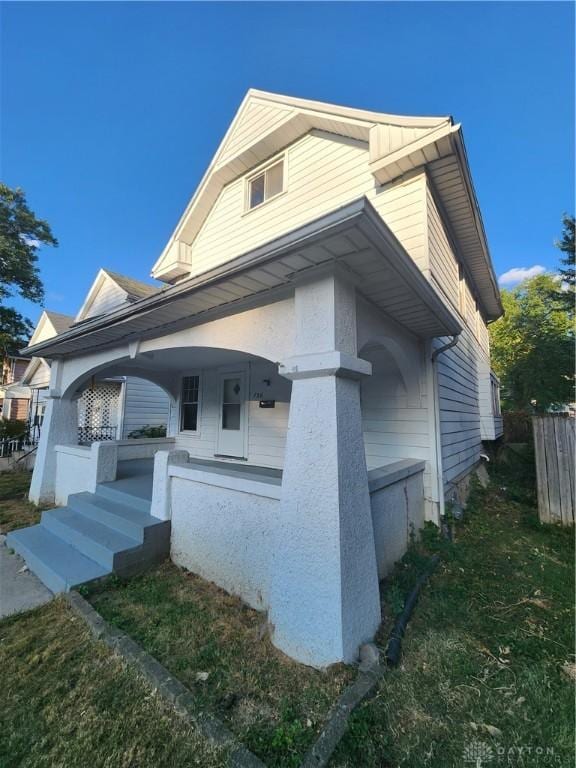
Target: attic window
(266, 184)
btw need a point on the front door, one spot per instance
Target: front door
(232, 420)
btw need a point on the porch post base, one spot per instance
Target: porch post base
(324, 599)
(160, 506)
(60, 427)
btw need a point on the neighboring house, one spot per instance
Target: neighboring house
(13, 398)
(108, 408)
(323, 340)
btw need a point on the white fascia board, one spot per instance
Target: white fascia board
(463, 159)
(351, 112)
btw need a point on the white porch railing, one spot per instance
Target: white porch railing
(82, 467)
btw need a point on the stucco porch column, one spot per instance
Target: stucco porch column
(59, 427)
(324, 586)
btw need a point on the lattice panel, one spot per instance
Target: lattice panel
(98, 412)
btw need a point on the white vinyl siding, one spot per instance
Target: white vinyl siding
(459, 405)
(403, 208)
(144, 403)
(322, 172)
(394, 404)
(444, 269)
(41, 376)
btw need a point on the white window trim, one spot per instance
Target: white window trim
(258, 172)
(191, 432)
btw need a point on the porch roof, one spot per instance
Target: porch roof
(354, 236)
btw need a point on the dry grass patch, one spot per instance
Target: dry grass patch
(15, 509)
(218, 647)
(68, 701)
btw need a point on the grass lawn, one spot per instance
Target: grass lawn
(274, 705)
(67, 701)
(487, 658)
(485, 653)
(15, 509)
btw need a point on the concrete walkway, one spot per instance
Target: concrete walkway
(20, 590)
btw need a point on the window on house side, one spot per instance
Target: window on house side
(189, 404)
(495, 390)
(267, 184)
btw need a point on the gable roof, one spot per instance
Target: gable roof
(132, 290)
(50, 324)
(59, 321)
(135, 289)
(267, 122)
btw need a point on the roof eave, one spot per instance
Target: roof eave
(329, 225)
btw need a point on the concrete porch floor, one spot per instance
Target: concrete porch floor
(134, 476)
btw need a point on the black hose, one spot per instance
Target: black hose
(394, 647)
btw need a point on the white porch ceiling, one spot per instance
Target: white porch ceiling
(354, 236)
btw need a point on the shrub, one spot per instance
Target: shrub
(148, 431)
(12, 428)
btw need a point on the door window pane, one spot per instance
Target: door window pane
(231, 416)
(232, 390)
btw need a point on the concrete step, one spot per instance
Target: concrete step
(124, 518)
(59, 565)
(127, 496)
(95, 540)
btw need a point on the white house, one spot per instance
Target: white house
(108, 408)
(322, 337)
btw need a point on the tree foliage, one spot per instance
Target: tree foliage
(533, 346)
(21, 235)
(15, 330)
(567, 295)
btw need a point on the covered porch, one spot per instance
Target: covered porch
(301, 450)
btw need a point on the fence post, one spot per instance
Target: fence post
(554, 455)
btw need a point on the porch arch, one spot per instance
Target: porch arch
(402, 363)
(158, 366)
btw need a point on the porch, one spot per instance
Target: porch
(301, 447)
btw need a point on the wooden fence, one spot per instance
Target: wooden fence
(554, 450)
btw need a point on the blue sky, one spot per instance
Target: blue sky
(112, 111)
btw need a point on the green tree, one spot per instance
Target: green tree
(21, 235)
(567, 295)
(533, 347)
